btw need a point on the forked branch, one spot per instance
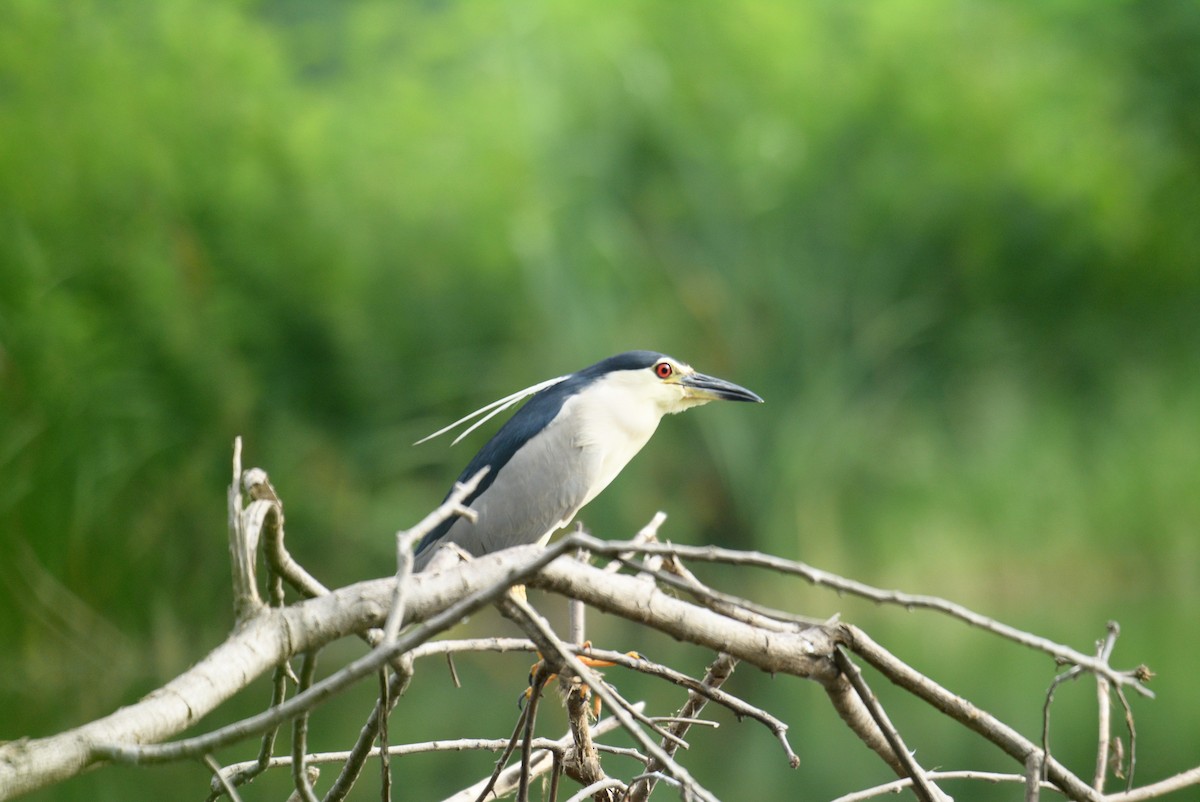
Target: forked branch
(404, 612)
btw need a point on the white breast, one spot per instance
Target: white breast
(612, 421)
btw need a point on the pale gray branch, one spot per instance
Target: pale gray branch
(1185, 779)
(895, 787)
(924, 788)
(436, 601)
(243, 545)
(1132, 677)
(963, 711)
(540, 762)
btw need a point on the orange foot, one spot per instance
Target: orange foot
(590, 662)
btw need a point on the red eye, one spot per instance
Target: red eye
(663, 370)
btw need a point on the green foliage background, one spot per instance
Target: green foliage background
(953, 244)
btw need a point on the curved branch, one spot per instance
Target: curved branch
(439, 600)
(967, 714)
(1134, 677)
(255, 647)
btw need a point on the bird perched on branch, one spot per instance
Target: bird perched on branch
(565, 445)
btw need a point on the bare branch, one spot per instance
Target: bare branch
(674, 573)
(647, 534)
(266, 748)
(596, 787)
(243, 546)
(1132, 738)
(895, 787)
(300, 778)
(432, 601)
(720, 670)
(925, 790)
(1185, 779)
(219, 777)
(618, 711)
(508, 779)
(274, 550)
(406, 540)
(363, 747)
(1134, 677)
(1033, 776)
(384, 706)
(804, 654)
(535, 688)
(964, 712)
(1104, 708)
(703, 691)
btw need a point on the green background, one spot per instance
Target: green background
(953, 244)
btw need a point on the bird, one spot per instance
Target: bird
(564, 446)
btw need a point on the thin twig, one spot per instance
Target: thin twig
(536, 684)
(1104, 650)
(675, 574)
(304, 788)
(651, 777)
(542, 762)
(539, 626)
(597, 787)
(925, 790)
(407, 539)
(686, 720)
(647, 534)
(1185, 779)
(896, 786)
(963, 711)
(243, 545)
(383, 706)
(364, 746)
(720, 670)
(428, 747)
(815, 576)
(1132, 738)
(509, 748)
(707, 689)
(219, 777)
(265, 750)
(1073, 673)
(556, 772)
(274, 551)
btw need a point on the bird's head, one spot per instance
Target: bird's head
(668, 384)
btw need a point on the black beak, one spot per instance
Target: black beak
(714, 389)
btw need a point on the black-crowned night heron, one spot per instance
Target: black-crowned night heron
(565, 445)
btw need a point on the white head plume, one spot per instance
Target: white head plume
(493, 409)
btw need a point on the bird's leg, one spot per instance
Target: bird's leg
(538, 669)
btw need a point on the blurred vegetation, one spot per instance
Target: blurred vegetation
(953, 244)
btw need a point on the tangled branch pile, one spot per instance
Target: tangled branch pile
(642, 580)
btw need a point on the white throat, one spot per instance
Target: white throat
(615, 417)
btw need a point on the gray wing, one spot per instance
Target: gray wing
(536, 492)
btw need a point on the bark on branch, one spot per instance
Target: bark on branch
(423, 605)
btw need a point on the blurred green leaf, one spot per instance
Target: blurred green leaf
(953, 246)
